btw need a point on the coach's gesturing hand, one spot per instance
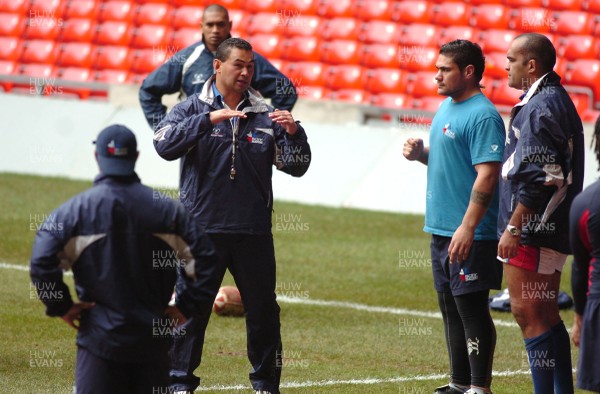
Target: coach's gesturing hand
(73, 315)
(224, 114)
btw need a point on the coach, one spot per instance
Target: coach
(188, 70)
(229, 140)
(126, 247)
(542, 172)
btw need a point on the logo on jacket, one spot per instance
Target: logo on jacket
(216, 132)
(198, 78)
(116, 150)
(252, 138)
(466, 276)
(448, 132)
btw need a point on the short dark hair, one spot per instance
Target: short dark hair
(538, 47)
(463, 53)
(215, 8)
(224, 48)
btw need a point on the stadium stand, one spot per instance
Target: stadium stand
(374, 52)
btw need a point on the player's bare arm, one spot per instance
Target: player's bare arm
(415, 150)
(225, 114)
(481, 197)
(509, 244)
(285, 120)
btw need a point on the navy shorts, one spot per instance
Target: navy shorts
(481, 271)
(588, 367)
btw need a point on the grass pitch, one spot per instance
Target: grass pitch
(359, 257)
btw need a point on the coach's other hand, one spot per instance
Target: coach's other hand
(285, 120)
(73, 315)
(413, 149)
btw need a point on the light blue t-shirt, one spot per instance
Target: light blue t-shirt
(462, 135)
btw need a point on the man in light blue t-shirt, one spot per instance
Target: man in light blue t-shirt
(463, 159)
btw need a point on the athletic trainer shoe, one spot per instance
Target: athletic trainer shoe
(182, 392)
(474, 391)
(447, 390)
(262, 392)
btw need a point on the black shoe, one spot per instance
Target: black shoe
(447, 390)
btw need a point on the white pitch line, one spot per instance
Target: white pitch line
(335, 304)
(367, 381)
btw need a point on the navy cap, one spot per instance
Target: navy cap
(117, 150)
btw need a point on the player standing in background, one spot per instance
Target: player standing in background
(584, 233)
(110, 236)
(188, 70)
(228, 140)
(463, 165)
(542, 173)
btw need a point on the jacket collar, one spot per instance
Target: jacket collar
(257, 102)
(548, 79)
(102, 178)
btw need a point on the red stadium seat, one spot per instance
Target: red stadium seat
(585, 72)
(356, 96)
(279, 64)
(392, 100)
(341, 28)
(380, 55)
(532, 20)
(185, 37)
(495, 64)
(423, 84)
(150, 36)
(74, 74)
(420, 34)
(10, 48)
(268, 45)
(153, 14)
(592, 6)
(306, 73)
(39, 51)
(313, 92)
(341, 52)
(78, 30)
(306, 7)
(502, 94)
(88, 9)
(517, 4)
(76, 54)
(368, 10)
(457, 32)
(490, 16)
(14, 6)
(147, 60)
(590, 115)
(113, 57)
(386, 80)
(573, 22)
(116, 11)
(46, 9)
(187, 16)
(114, 33)
(301, 49)
(111, 76)
(42, 28)
(413, 11)
(36, 70)
(40, 78)
(12, 24)
(561, 66)
(579, 47)
(495, 40)
(429, 103)
(451, 14)
(303, 26)
(265, 22)
(256, 6)
(418, 58)
(567, 5)
(581, 101)
(239, 20)
(336, 8)
(344, 77)
(380, 32)
(7, 67)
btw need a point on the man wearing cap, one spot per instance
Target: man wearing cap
(126, 246)
(187, 71)
(228, 140)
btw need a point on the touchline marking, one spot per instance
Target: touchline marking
(336, 304)
(367, 381)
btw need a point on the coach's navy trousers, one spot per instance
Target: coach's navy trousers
(251, 261)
